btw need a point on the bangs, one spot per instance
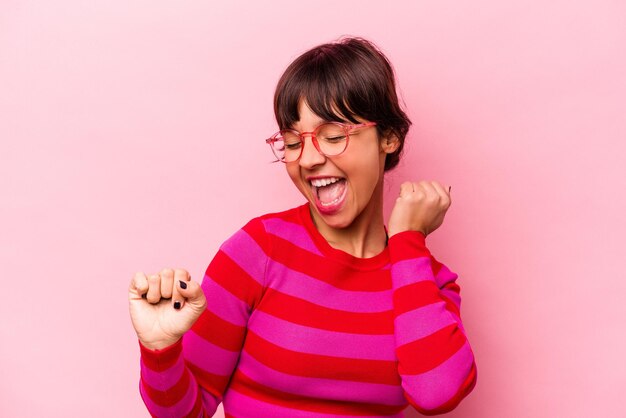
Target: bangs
(334, 84)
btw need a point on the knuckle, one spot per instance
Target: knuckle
(139, 277)
(180, 272)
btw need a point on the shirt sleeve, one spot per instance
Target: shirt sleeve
(435, 361)
(188, 378)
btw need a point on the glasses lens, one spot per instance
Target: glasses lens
(287, 146)
(278, 148)
(332, 138)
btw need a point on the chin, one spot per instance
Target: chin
(338, 220)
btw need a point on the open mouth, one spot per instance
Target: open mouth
(329, 193)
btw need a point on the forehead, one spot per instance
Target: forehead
(308, 119)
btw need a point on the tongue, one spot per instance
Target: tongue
(327, 194)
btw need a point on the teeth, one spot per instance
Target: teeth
(325, 181)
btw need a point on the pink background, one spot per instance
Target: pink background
(132, 140)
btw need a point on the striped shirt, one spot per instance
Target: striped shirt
(295, 328)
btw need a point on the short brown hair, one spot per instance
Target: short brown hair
(340, 81)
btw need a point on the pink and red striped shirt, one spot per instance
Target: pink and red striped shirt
(297, 329)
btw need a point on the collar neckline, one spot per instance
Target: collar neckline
(371, 263)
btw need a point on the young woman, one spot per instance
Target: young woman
(320, 310)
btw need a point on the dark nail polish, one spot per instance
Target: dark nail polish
(183, 285)
(177, 305)
(145, 295)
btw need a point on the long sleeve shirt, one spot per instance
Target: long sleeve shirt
(297, 328)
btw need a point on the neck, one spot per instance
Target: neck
(365, 237)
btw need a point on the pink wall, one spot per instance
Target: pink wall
(131, 139)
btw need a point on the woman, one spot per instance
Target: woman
(320, 310)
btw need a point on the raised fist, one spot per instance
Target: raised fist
(421, 206)
(164, 306)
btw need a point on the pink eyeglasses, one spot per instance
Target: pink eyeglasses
(330, 139)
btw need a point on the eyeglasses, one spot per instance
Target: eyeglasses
(330, 139)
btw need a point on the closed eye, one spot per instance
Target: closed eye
(293, 146)
(335, 138)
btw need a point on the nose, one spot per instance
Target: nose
(310, 156)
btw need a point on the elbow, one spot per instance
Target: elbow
(433, 405)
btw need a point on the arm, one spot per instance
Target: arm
(435, 361)
(189, 377)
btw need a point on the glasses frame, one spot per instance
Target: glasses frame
(346, 127)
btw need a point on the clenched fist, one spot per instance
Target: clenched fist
(420, 207)
(164, 306)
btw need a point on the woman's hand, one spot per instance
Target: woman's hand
(420, 207)
(164, 306)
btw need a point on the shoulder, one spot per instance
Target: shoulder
(260, 229)
(289, 215)
(269, 223)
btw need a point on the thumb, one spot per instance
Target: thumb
(193, 294)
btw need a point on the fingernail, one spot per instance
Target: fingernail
(183, 285)
(449, 189)
(145, 295)
(177, 305)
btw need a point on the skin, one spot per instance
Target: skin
(357, 228)
(156, 321)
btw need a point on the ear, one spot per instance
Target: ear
(389, 144)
